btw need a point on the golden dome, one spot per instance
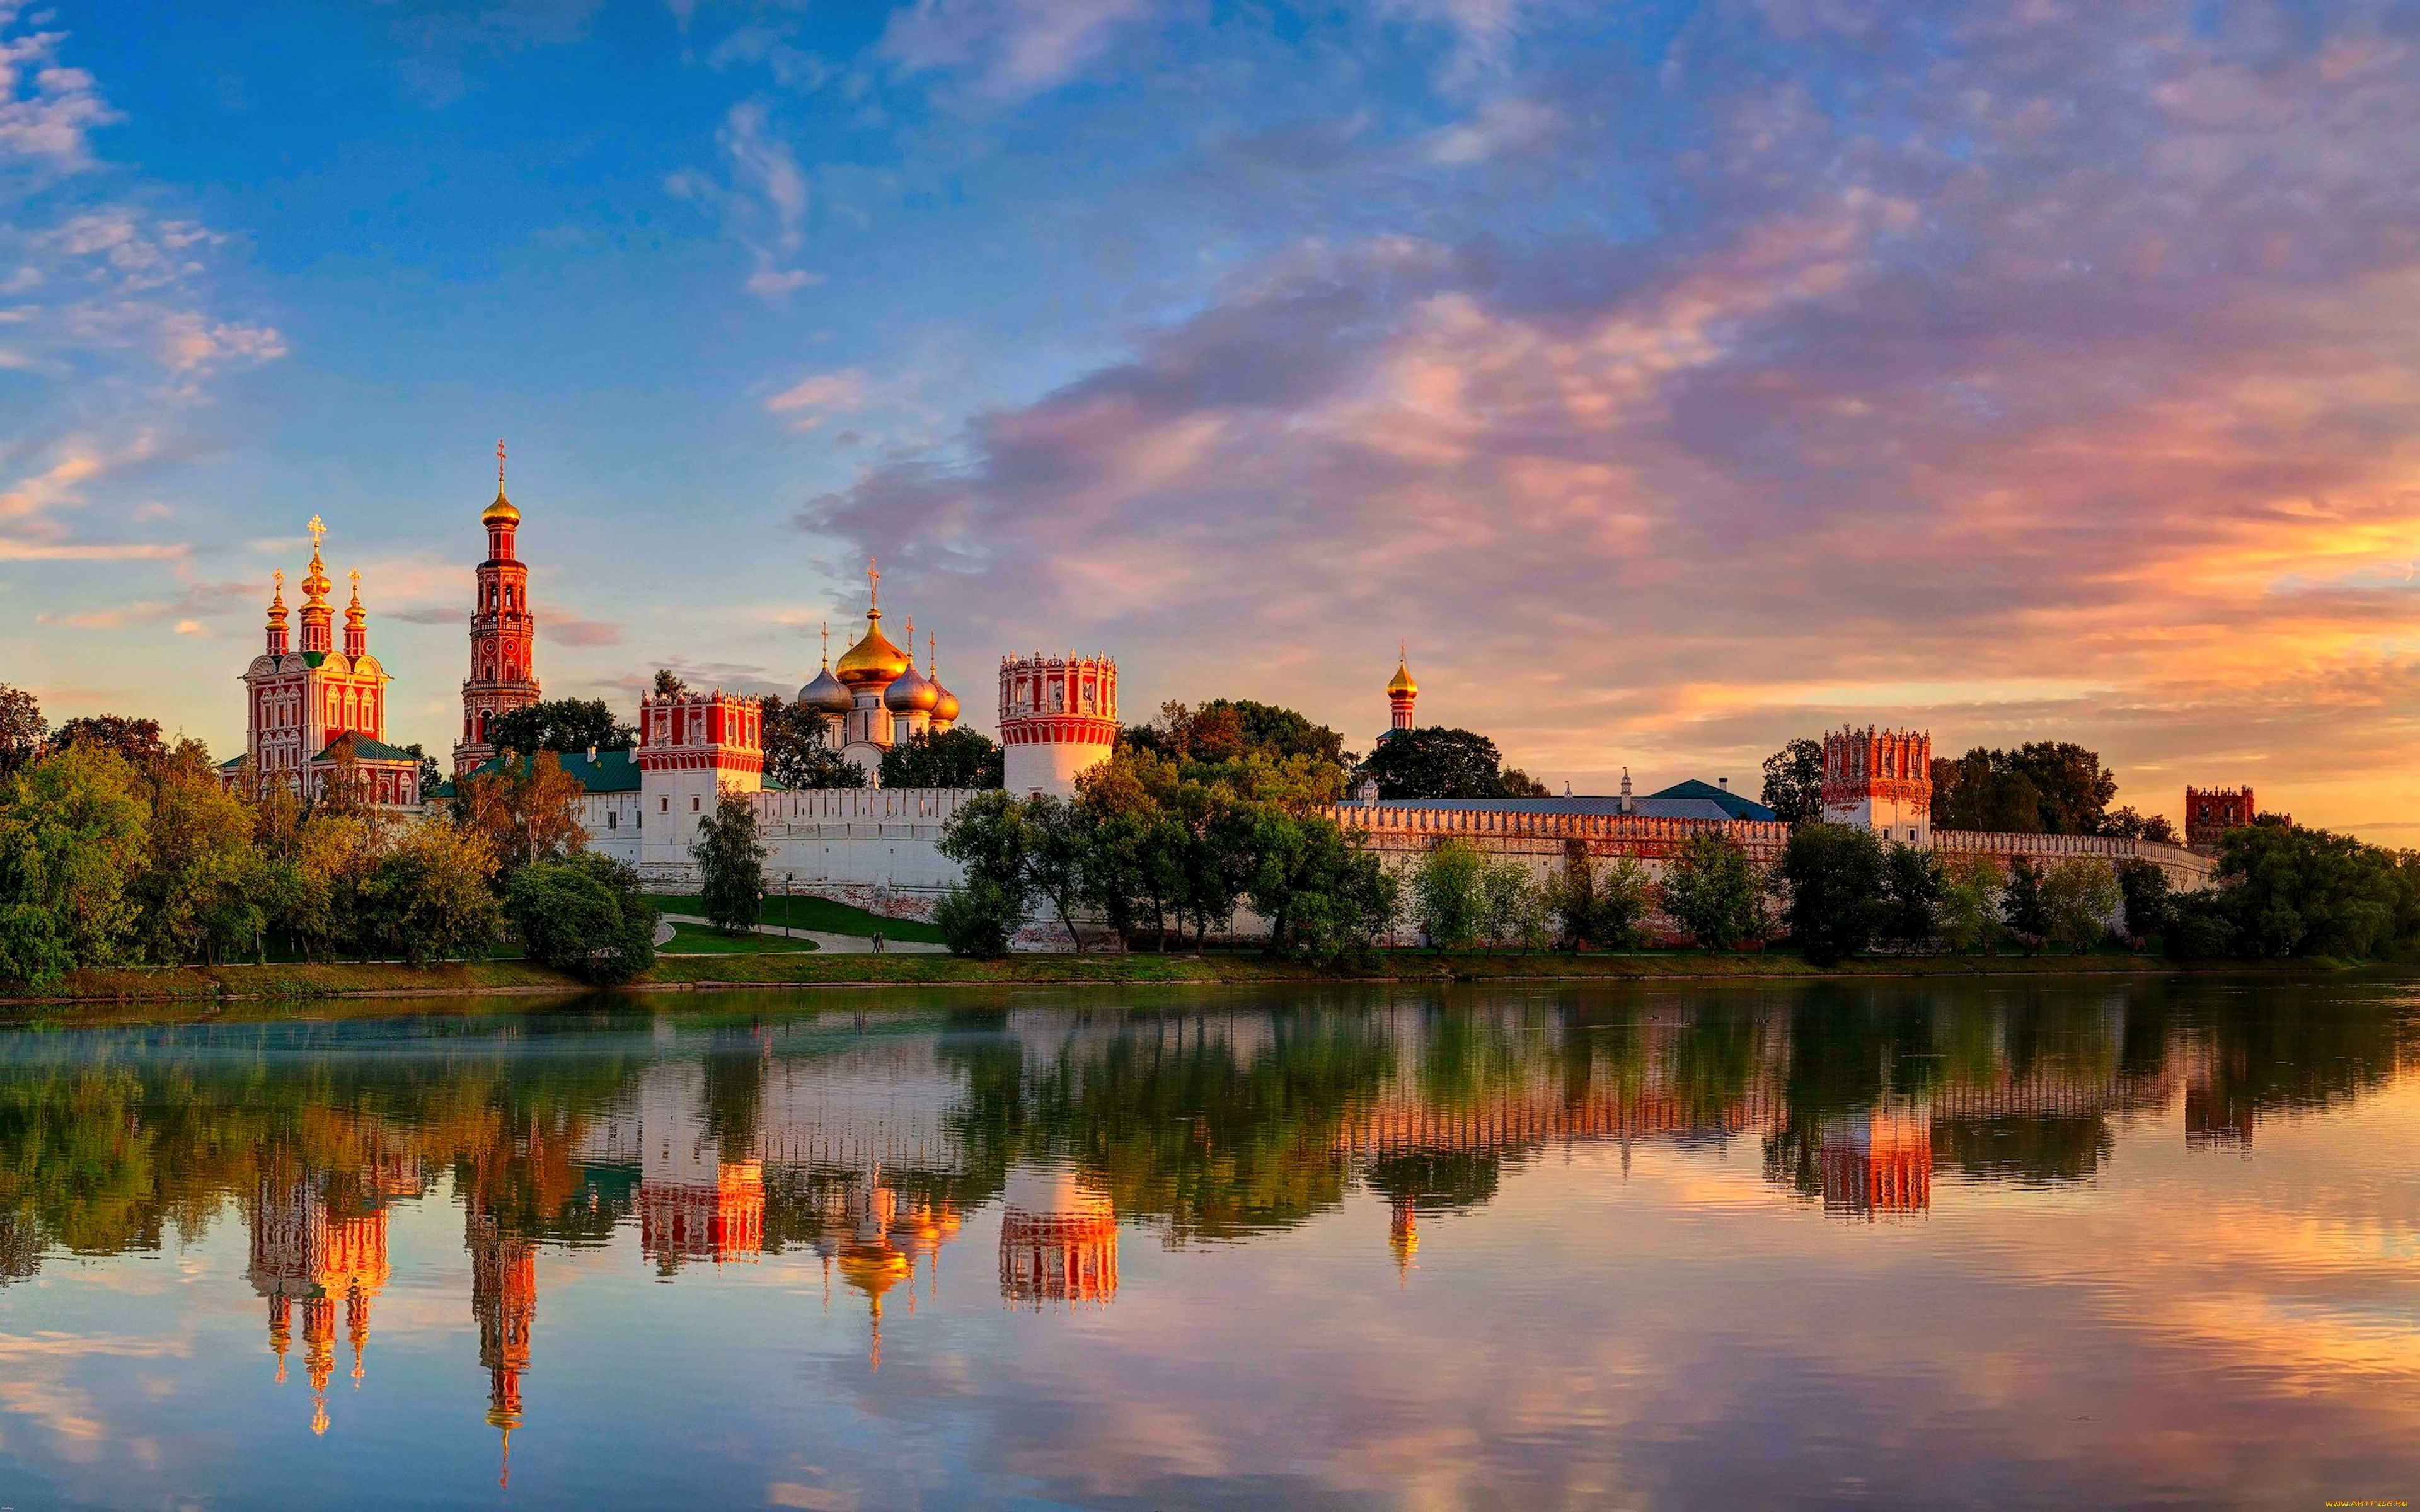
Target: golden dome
(502, 512)
(874, 659)
(910, 693)
(945, 705)
(1401, 684)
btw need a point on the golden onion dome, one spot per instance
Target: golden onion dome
(945, 705)
(914, 691)
(1401, 684)
(874, 659)
(500, 513)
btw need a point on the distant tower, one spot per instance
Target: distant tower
(504, 672)
(2210, 812)
(1882, 779)
(1058, 718)
(503, 1301)
(1401, 692)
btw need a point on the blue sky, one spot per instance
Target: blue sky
(1675, 378)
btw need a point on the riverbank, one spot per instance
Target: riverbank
(815, 969)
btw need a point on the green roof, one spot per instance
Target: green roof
(313, 658)
(1732, 804)
(613, 771)
(366, 749)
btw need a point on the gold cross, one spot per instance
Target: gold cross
(872, 585)
(500, 464)
(316, 531)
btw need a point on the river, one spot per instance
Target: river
(2032, 1244)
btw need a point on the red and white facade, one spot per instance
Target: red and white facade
(303, 701)
(504, 634)
(1880, 779)
(1058, 718)
(692, 749)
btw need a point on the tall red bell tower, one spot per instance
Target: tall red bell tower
(503, 674)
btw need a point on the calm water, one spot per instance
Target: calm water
(2050, 1246)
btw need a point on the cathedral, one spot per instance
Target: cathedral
(315, 715)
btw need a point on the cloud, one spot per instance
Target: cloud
(764, 206)
(1484, 31)
(2081, 376)
(46, 111)
(815, 400)
(1500, 127)
(1008, 49)
(439, 45)
(565, 630)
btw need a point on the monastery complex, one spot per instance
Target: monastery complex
(313, 708)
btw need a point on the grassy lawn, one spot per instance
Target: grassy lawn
(812, 913)
(693, 939)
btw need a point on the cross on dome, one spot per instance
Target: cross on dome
(316, 530)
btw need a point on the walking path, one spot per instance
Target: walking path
(845, 944)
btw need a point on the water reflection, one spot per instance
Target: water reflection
(703, 1144)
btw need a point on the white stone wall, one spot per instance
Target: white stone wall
(1050, 767)
(1897, 819)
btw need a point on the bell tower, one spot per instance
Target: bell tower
(504, 672)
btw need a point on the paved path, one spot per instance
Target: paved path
(843, 944)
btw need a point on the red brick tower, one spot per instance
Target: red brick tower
(504, 670)
(2210, 812)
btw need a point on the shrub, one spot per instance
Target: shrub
(1712, 891)
(1448, 899)
(584, 914)
(978, 920)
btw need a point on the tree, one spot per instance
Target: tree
(1793, 782)
(73, 838)
(990, 836)
(560, 725)
(2021, 902)
(669, 684)
(137, 740)
(1835, 874)
(952, 758)
(1434, 762)
(430, 896)
(1710, 889)
(529, 808)
(429, 776)
(1967, 913)
(197, 886)
(797, 755)
(1520, 784)
(2143, 887)
(2300, 892)
(2080, 896)
(1910, 900)
(979, 918)
(584, 914)
(2043, 787)
(1513, 908)
(731, 856)
(1054, 857)
(1225, 730)
(22, 728)
(1604, 904)
(1449, 900)
(2126, 823)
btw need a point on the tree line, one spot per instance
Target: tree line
(120, 849)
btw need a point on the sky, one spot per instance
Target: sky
(1672, 380)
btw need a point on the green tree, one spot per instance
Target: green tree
(1602, 904)
(2298, 891)
(584, 914)
(1967, 915)
(561, 725)
(197, 886)
(730, 854)
(953, 759)
(2044, 787)
(797, 755)
(1513, 907)
(23, 727)
(430, 896)
(2080, 895)
(2144, 887)
(1436, 762)
(1835, 875)
(2020, 901)
(1711, 891)
(72, 841)
(1449, 895)
(1793, 782)
(979, 918)
(1324, 894)
(668, 684)
(1227, 729)
(1909, 899)
(137, 740)
(1058, 839)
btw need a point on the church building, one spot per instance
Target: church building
(315, 714)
